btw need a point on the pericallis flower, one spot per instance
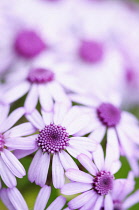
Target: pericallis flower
(10, 139)
(55, 140)
(45, 80)
(121, 127)
(13, 199)
(95, 188)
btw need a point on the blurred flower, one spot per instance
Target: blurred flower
(95, 188)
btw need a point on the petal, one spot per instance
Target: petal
(88, 164)
(16, 92)
(31, 99)
(116, 165)
(98, 203)
(20, 130)
(57, 204)
(4, 110)
(79, 176)
(16, 199)
(80, 200)
(83, 143)
(74, 188)
(23, 153)
(12, 119)
(36, 119)
(90, 204)
(6, 175)
(4, 197)
(98, 134)
(60, 111)
(45, 97)
(66, 160)
(47, 117)
(42, 198)
(131, 200)
(57, 172)
(13, 163)
(75, 152)
(108, 203)
(99, 157)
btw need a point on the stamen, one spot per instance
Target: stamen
(2, 142)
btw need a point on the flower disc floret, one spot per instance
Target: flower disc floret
(2, 142)
(108, 114)
(53, 138)
(103, 182)
(40, 76)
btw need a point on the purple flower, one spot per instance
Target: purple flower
(95, 188)
(10, 139)
(55, 136)
(108, 118)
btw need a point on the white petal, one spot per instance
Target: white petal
(60, 111)
(74, 188)
(45, 97)
(66, 160)
(75, 152)
(57, 204)
(98, 134)
(99, 157)
(108, 203)
(57, 172)
(47, 117)
(4, 110)
(36, 119)
(79, 176)
(98, 203)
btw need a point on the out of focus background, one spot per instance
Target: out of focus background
(69, 31)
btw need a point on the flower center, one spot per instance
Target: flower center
(117, 205)
(2, 142)
(28, 44)
(91, 51)
(53, 138)
(40, 75)
(108, 114)
(103, 182)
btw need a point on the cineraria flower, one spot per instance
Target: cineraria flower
(45, 80)
(10, 139)
(95, 188)
(55, 136)
(13, 199)
(121, 189)
(121, 126)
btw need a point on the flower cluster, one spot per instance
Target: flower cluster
(69, 85)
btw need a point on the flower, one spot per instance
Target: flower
(108, 118)
(95, 188)
(10, 139)
(55, 136)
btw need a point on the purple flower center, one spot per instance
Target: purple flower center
(103, 183)
(108, 114)
(40, 75)
(2, 142)
(53, 138)
(28, 44)
(117, 205)
(91, 51)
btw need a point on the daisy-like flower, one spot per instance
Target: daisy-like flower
(13, 199)
(55, 140)
(108, 118)
(10, 139)
(95, 188)
(45, 80)
(121, 189)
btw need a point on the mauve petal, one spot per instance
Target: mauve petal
(47, 117)
(42, 169)
(36, 119)
(23, 143)
(34, 166)
(16, 92)
(57, 172)
(131, 200)
(90, 204)
(23, 153)
(66, 160)
(116, 165)
(20, 130)
(98, 134)
(79, 176)
(42, 198)
(134, 165)
(12, 119)
(83, 143)
(31, 99)
(4, 110)
(58, 203)
(98, 203)
(6, 175)
(88, 164)
(16, 199)
(108, 203)
(45, 97)
(99, 157)
(74, 188)
(75, 152)
(13, 163)
(80, 200)
(5, 199)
